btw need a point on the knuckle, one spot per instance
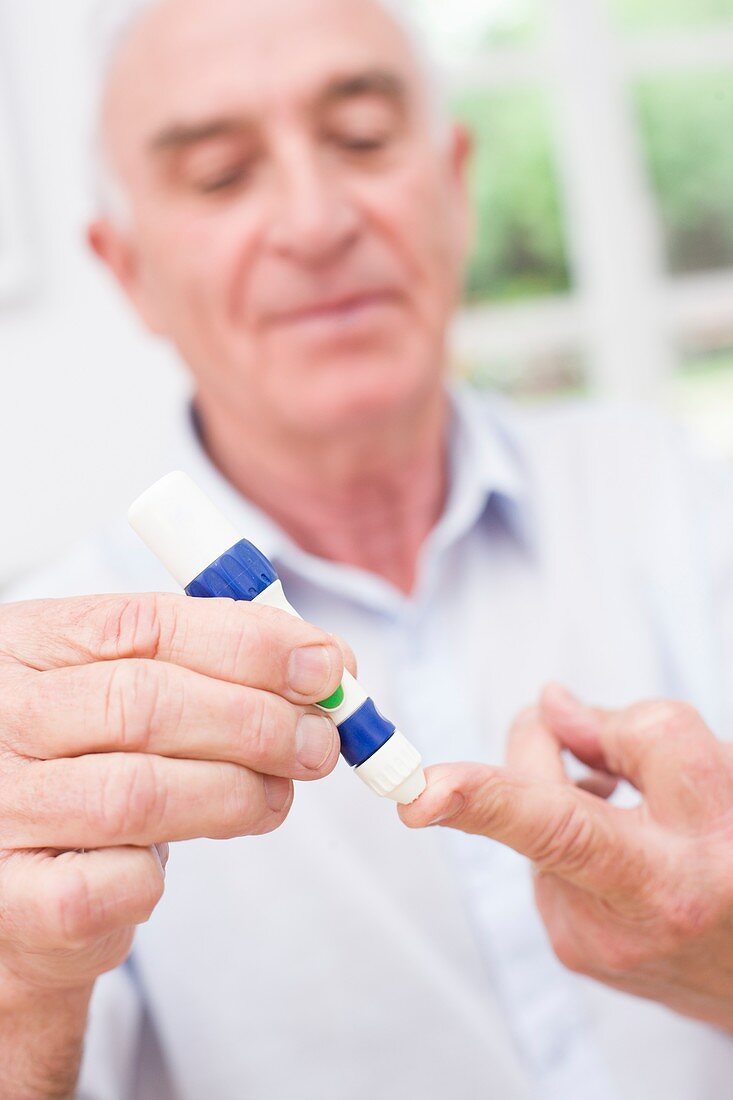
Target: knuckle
(663, 728)
(262, 729)
(234, 805)
(250, 635)
(567, 843)
(133, 624)
(127, 802)
(133, 704)
(665, 716)
(497, 797)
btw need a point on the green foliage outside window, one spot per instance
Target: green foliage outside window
(687, 130)
(640, 15)
(520, 250)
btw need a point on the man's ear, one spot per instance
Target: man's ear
(460, 152)
(117, 252)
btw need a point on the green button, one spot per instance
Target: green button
(334, 700)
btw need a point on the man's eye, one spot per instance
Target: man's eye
(222, 181)
(371, 143)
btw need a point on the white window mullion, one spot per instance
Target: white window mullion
(615, 239)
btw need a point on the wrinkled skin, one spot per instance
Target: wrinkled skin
(127, 722)
(639, 898)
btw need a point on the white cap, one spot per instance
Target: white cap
(181, 526)
(395, 771)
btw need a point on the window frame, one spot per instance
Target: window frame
(626, 316)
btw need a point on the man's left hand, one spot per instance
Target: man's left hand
(641, 898)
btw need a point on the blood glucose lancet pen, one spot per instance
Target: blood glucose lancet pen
(208, 557)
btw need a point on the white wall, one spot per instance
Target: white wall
(86, 397)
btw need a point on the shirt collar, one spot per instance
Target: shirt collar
(484, 467)
(484, 458)
(487, 425)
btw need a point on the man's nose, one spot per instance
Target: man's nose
(314, 219)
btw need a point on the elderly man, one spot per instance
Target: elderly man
(285, 204)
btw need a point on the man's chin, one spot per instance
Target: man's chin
(351, 400)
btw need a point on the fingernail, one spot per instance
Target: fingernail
(314, 740)
(309, 669)
(277, 792)
(452, 809)
(162, 851)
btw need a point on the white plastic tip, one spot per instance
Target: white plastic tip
(395, 771)
(411, 789)
(181, 526)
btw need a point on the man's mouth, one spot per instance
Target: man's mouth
(342, 310)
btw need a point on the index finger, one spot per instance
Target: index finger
(564, 831)
(241, 642)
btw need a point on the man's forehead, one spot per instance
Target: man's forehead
(196, 56)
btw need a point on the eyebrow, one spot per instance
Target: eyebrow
(379, 82)
(372, 82)
(181, 135)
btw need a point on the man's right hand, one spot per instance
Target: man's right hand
(127, 722)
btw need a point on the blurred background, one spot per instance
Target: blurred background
(603, 181)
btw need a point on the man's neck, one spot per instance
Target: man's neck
(366, 499)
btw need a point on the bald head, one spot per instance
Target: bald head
(114, 19)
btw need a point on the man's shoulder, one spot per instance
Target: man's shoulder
(111, 560)
(572, 422)
(620, 466)
(612, 441)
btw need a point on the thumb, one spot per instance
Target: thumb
(564, 831)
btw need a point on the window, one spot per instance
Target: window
(648, 15)
(520, 246)
(603, 181)
(686, 123)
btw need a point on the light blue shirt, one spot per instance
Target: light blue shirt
(346, 958)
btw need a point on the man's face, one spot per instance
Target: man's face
(296, 228)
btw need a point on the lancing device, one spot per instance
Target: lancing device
(208, 557)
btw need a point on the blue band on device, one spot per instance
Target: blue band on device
(242, 573)
(364, 734)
